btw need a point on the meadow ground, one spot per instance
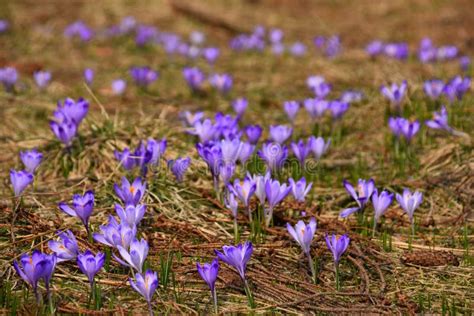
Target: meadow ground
(185, 222)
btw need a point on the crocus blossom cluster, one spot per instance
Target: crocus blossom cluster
(31, 159)
(393, 50)
(427, 52)
(146, 155)
(403, 127)
(67, 119)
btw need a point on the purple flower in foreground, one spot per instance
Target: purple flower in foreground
(433, 88)
(403, 127)
(65, 131)
(381, 203)
(127, 159)
(318, 146)
(20, 180)
(146, 285)
(374, 48)
(119, 86)
(316, 107)
(8, 77)
(143, 76)
(337, 245)
(130, 193)
(179, 166)
(42, 78)
(31, 159)
(88, 76)
(208, 272)
(82, 207)
(66, 248)
(226, 173)
(394, 93)
(409, 202)
(222, 82)
(212, 155)
(365, 188)
(253, 133)
(230, 150)
(34, 268)
(240, 105)
(243, 190)
(154, 150)
(274, 155)
(338, 108)
(457, 87)
(291, 109)
(130, 214)
(260, 183)
(280, 133)
(194, 77)
(237, 257)
(299, 189)
(90, 265)
(135, 256)
(246, 150)
(205, 130)
(275, 193)
(114, 234)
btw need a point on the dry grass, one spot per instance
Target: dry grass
(186, 219)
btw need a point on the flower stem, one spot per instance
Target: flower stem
(413, 229)
(236, 231)
(150, 309)
(338, 285)
(249, 294)
(311, 265)
(375, 228)
(249, 211)
(214, 298)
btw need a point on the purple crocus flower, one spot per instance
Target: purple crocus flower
(82, 207)
(4, 26)
(237, 257)
(260, 183)
(394, 93)
(319, 86)
(146, 286)
(319, 41)
(374, 48)
(303, 234)
(351, 96)
(79, 29)
(20, 180)
(280, 133)
(70, 110)
(440, 120)
(243, 190)
(433, 88)
(246, 150)
(221, 82)
(232, 204)
(31, 159)
(208, 272)
(154, 150)
(409, 202)
(135, 256)
(316, 107)
(409, 129)
(253, 133)
(90, 265)
(119, 86)
(114, 234)
(333, 46)
(194, 78)
(291, 109)
(205, 130)
(365, 188)
(240, 105)
(276, 35)
(212, 155)
(230, 150)
(457, 87)
(34, 268)
(145, 34)
(298, 49)
(226, 173)
(190, 119)
(127, 159)
(381, 203)
(300, 189)
(65, 131)
(278, 48)
(464, 63)
(211, 54)
(130, 193)
(338, 108)
(143, 76)
(88, 76)
(274, 155)
(446, 52)
(275, 193)
(318, 146)
(8, 77)
(396, 50)
(130, 214)
(66, 248)
(42, 78)
(179, 166)
(301, 150)
(337, 245)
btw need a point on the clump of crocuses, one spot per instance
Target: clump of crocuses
(337, 245)
(67, 119)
